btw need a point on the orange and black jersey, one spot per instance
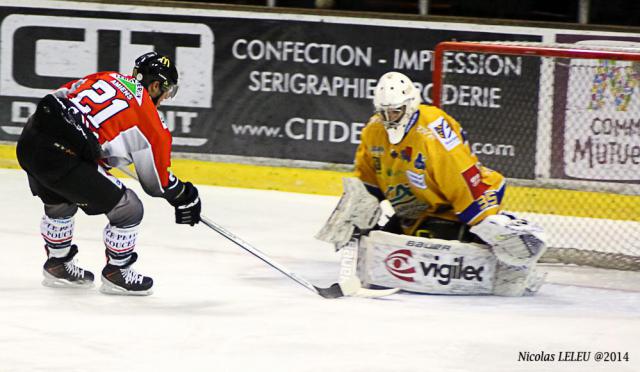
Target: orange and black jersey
(126, 122)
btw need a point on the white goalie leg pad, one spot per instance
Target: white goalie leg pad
(518, 245)
(514, 241)
(426, 265)
(356, 208)
(517, 280)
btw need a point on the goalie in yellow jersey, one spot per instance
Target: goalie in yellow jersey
(448, 234)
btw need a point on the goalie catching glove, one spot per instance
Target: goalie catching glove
(357, 208)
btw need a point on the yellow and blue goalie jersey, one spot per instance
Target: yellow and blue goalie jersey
(430, 173)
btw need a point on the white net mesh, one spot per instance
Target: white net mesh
(562, 121)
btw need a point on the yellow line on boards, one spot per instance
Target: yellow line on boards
(308, 181)
(327, 182)
(573, 203)
(8, 157)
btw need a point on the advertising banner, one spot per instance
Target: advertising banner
(495, 99)
(284, 88)
(597, 118)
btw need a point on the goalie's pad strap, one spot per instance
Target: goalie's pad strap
(426, 265)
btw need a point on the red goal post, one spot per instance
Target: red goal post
(549, 109)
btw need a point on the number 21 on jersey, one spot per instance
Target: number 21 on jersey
(100, 93)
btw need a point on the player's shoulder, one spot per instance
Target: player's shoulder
(374, 126)
(429, 114)
(129, 86)
(436, 127)
(429, 117)
(87, 80)
(374, 133)
(100, 75)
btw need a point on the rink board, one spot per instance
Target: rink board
(328, 182)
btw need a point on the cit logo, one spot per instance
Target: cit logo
(398, 265)
(32, 64)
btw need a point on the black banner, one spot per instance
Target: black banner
(272, 88)
(495, 98)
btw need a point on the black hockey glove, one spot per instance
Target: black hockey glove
(187, 205)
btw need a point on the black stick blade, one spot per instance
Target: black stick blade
(332, 292)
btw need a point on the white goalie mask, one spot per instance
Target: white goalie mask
(396, 100)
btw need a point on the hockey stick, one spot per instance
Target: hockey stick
(334, 291)
(349, 287)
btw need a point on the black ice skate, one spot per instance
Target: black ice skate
(123, 280)
(63, 272)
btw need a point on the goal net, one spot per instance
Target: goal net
(562, 122)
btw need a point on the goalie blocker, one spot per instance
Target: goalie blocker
(505, 266)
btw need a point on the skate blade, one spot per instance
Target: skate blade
(53, 282)
(111, 289)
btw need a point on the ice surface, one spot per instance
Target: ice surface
(217, 308)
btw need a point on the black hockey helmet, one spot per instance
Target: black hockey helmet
(152, 67)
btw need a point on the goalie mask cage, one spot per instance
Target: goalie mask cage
(562, 122)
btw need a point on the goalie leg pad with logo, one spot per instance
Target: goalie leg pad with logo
(518, 245)
(425, 265)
